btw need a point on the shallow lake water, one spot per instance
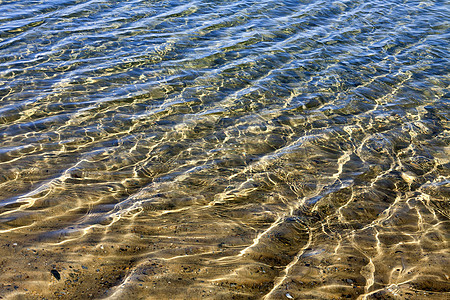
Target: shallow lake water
(224, 149)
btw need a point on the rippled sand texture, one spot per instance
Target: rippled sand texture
(224, 149)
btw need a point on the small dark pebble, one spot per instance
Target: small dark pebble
(56, 274)
(84, 267)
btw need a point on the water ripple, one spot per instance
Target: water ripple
(224, 149)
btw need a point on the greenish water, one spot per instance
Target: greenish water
(224, 149)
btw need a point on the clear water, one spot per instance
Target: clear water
(224, 149)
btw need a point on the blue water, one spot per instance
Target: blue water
(224, 149)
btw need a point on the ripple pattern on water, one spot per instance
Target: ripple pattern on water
(224, 149)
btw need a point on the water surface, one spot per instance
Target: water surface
(224, 149)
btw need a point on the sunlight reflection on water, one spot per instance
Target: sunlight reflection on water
(224, 149)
